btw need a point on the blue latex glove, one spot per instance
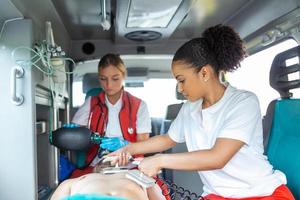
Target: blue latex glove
(113, 144)
(71, 125)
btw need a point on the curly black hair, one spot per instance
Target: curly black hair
(220, 46)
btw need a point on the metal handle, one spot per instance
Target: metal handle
(16, 72)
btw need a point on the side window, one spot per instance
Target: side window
(158, 94)
(78, 95)
(80, 70)
(254, 74)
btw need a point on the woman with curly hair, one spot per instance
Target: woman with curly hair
(220, 124)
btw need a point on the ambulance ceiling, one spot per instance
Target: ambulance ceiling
(144, 20)
(159, 26)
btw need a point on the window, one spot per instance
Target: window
(78, 95)
(158, 94)
(254, 74)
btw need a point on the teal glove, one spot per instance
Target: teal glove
(113, 144)
(92, 197)
(71, 125)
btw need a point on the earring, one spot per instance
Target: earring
(204, 79)
(222, 78)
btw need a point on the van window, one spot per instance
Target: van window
(254, 74)
(158, 94)
(78, 96)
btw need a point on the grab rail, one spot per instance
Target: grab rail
(16, 72)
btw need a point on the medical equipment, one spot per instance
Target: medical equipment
(132, 173)
(109, 158)
(114, 170)
(173, 190)
(141, 179)
(79, 138)
(132, 162)
(56, 56)
(117, 168)
(177, 192)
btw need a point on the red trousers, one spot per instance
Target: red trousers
(281, 193)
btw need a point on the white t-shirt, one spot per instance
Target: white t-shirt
(237, 116)
(113, 129)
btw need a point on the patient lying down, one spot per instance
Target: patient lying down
(107, 185)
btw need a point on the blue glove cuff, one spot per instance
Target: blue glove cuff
(71, 125)
(113, 144)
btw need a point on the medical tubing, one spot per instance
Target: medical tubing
(51, 123)
(43, 54)
(7, 21)
(96, 139)
(174, 191)
(27, 63)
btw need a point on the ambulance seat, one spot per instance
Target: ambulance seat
(156, 123)
(173, 109)
(172, 112)
(282, 121)
(90, 87)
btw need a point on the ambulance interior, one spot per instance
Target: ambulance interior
(49, 51)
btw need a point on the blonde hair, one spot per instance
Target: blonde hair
(114, 60)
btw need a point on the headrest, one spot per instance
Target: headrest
(179, 96)
(280, 70)
(90, 81)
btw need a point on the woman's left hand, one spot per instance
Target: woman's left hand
(151, 166)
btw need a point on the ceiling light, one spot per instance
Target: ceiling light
(151, 14)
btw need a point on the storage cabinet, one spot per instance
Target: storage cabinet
(28, 163)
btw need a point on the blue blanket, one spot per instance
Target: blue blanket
(92, 197)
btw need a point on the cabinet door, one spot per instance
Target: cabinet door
(17, 122)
